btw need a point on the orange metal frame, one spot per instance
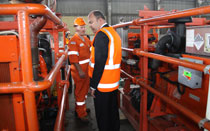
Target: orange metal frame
(28, 87)
(144, 24)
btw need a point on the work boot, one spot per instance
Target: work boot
(84, 119)
(87, 110)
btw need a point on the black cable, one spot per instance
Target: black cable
(181, 92)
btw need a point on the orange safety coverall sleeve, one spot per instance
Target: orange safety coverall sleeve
(73, 52)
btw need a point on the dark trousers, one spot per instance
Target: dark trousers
(107, 113)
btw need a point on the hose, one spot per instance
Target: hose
(9, 32)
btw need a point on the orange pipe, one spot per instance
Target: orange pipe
(196, 118)
(25, 48)
(161, 27)
(31, 112)
(34, 86)
(49, 79)
(173, 15)
(60, 116)
(178, 14)
(196, 66)
(20, 122)
(29, 95)
(15, 87)
(36, 9)
(153, 27)
(51, 76)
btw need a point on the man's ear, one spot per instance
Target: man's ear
(100, 20)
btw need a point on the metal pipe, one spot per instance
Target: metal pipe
(34, 86)
(192, 65)
(35, 27)
(48, 81)
(51, 76)
(127, 49)
(178, 14)
(36, 9)
(60, 116)
(127, 74)
(25, 48)
(16, 87)
(172, 15)
(196, 118)
(123, 24)
(31, 112)
(208, 103)
(144, 73)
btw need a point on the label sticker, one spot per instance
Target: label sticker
(198, 41)
(190, 38)
(194, 97)
(187, 74)
(207, 43)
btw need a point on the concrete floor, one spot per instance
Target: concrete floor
(74, 124)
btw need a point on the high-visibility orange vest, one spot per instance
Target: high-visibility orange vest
(111, 74)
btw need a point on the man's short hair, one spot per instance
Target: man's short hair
(98, 14)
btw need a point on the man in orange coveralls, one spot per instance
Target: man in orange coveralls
(79, 54)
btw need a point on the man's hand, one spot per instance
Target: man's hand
(93, 93)
(81, 74)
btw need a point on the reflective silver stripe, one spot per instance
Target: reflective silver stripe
(61, 50)
(112, 67)
(80, 103)
(108, 85)
(91, 64)
(84, 61)
(111, 52)
(107, 67)
(73, 53)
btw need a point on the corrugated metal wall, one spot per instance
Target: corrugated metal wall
(120, 8)
(177, 4)
(128, 9)
(80, 7)
(5, 17)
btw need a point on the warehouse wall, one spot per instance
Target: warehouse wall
(79, 7)
(177, 4)
(128, 9)
(5, 17)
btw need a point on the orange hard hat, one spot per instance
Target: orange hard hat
(79, 21)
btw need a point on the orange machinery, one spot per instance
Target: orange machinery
(19, 87)
(174, 94)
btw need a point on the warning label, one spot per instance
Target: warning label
(198, 42)
(187, 74)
